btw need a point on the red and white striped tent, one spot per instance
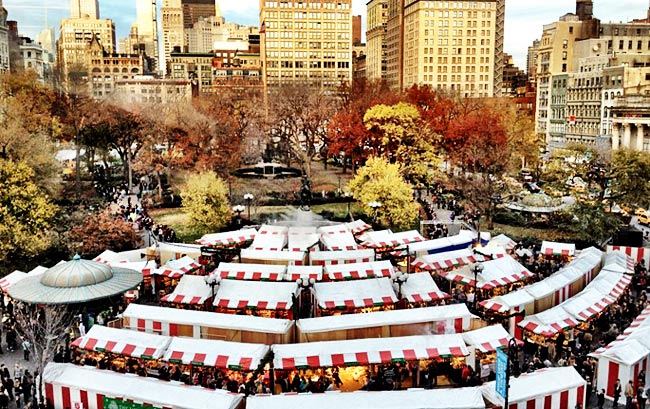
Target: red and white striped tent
(166, 321)
(123, 342)
(270, 238)
(177, 268)
(355, 294)
(496, 273)
(386, 238)
(619, 262)
(441, 245)
(261, 295)
(173, 251)
(356, 271)
(550, 322)
(637, 254)
(503, 241)
(441, 261)
(106, 257)
(358, 227)
(304, 272)
(485, 340)
(130, 256)
(71, 386)
(262, 256)
(452, 398)
(11, 279)
(337, 237)
(640, 321)
(588, 304)
(443, 319)
(191, 290)
(552, 248)
(556, 388)
(490, 252)
(215, 353)
(253, 272)
(512, 303)
(322, 258)
(367, 351)
(420, 288)
(235, 238)
(302, 238)
(611, 283)
(623, 360)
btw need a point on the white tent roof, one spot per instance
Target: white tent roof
(358, 226)
(342, 256)
(381, 318)
(36, 271)
(440, 261)
(11, 279)
(552, 247)
(139, 389)
(461, 398)
(300, 238)
(496, 273)
(295, 272)
(506, 302)
(420, 287)
(207, 319)
(503, 241)
(627, 352)
(146, 267)
(177, 267)
(270, 238)
(337, 237)
(355, 294)
(273, 255)
(228, 239)
(192, 250)
(540, 383)
(540, 289)
(353, 352)
(215, 353)
(249, 271)
(263, 295)
(487, 339)
(123, 342)
(354, 271)
(190, 290)
(386, 238)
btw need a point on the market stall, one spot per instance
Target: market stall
(441, 245)
(270, 237)
(503, 241)
(638, 254)
(557, 388)
(191, 292)
(70, 386)
(259, 298)
(174, 251)
(251, 272)
(365, 356)
(356, 271)
(386, 239)
(303, 238)
(237, 238)
(322, 258)
(337, 237)
(420, 290)
(358, 227)
(304, 272)
(168, 275)
(623, 360)
(347, 297)
(509, 309)
(447, 260)
(482, 344)
(457, 398)
(11, 279)
(443, 319)
(207, 325)
(544, 294)
(286, 258)
(552, 248)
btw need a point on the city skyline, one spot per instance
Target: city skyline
(524, 20)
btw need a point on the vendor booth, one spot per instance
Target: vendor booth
(482, 344)
(303, 238)
(69, 386)
(251, 272)
(457, 398)
(11, 279)
(386, 239)
(623, 360)
(356, 271)
(420, 290)
(347, 297)
(447, 260)
(444, 319)
(237, 238)
(441, 245)
(503, 241)
(552, 248)
(207, 325)
(259, 298)
(191, 292)
(173, 251)
(168, 275)
(358, 227)
(304, 272)
(557, 388)
(638, 254)
(284, 258)
(323, 258)
(270, 237)
(509, 309)
(363, 358)
(337, 237)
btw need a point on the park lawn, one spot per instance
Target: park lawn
(178, 220)
(518, 233)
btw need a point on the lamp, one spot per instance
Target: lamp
(476, 268)
(398, 281)
(213, 281)
(248, 197)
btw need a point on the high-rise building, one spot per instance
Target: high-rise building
(308, 42)
(531, 62)
(74, 37)
(46, 39)
(450, 45)
(105, 68)
(377, 17)
(147, 21)
(84, 9)
(172, 26)
(4, 40)
(131, 44)
(193, 10)
(356, 30)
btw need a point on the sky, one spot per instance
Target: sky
(524, 18)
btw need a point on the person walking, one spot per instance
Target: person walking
(600, 399)
(617, 393)
(629, 394)
(641, 397)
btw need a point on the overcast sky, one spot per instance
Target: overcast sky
(524, 18)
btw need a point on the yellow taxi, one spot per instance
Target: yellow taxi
(644, 219)
(640, 211)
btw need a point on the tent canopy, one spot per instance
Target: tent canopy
(295, 272)
(337, 237)
(289, 257)
(441, 261)
(215, 353)
(549, 322)
(190, 290)
(342, 256)
(228, 239)
(123, 342)
(249, 271)
(301, 238)
(507, 302)
(368, 351)
(386, 238)
(135, 388)
(440, 245)
(457, 398)
(496, 273)
(235, 294)
(355, 294)
(420, 288)
(358, 226)
(11, 279)
(503, 241)
(270, 237)
(178, 267)
(355, 271)
(551, 248)
(627, 352)
(487, 339)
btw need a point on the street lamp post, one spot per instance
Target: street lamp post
(374, 205)
(248, 197)
(513, 366)
(305, 284)
(213, 281)
(238, 209)
(477, 269)
(398, 281)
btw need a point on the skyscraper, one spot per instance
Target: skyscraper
(172, 26)
(376, 39)
(193, 10)
(84, 8)
(309, 42)
(147, 21)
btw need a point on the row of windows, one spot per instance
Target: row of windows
(456, 4)
(314, 45)
(331, 5)
(313, 55)
(300, 25)
(308, 64)
(304, 15)
(327, 35)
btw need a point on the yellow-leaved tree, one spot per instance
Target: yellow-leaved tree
(380, 181)
(205, 199)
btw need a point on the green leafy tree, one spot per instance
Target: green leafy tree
(592, 223)
(205, 198)
(630, 183)
(26, 213)
(380, 181)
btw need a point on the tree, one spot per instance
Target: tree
(205, 198)
(102, 231)
(592, 223)
(46, 328)
(630, 178)
(381, 181)
(26, 213)
(401, 136)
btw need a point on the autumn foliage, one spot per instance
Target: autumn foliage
(103, 231)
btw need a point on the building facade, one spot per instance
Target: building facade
(84, 9)
(193, 10)
(4, 40)
(146, 89)
(75, 35)
(377, 20)
(306, 41)
(34, 58)
(172, 27)
(147, 23)
(105, 68)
